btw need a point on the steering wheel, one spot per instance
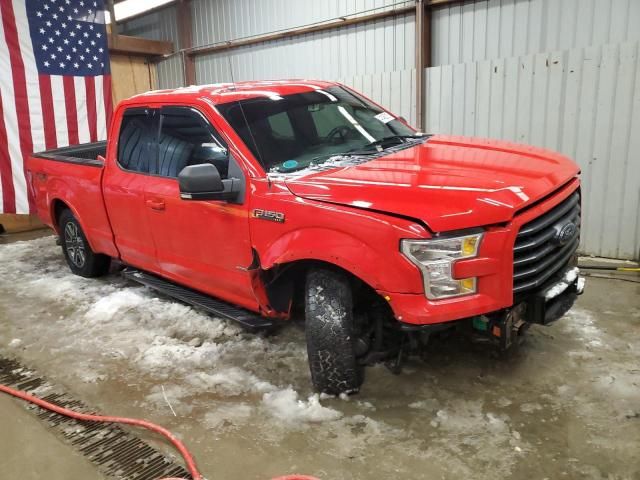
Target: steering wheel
(338, 134)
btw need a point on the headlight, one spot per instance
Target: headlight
(435, 257)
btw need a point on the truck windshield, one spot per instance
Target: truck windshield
(292, 132)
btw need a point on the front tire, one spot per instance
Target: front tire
(81, 259)
(330, 333)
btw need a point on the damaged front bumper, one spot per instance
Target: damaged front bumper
(503, 326)
(543, 307)
(553, 301)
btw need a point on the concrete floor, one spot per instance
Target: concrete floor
(30, 451)
(565, 404)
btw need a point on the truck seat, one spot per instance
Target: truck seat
(173, 155)
(136, 146)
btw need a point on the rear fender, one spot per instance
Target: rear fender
(60, 191)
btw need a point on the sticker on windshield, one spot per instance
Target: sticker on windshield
(289, 164)
(385, 117)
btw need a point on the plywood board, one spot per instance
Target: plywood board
(131, 75)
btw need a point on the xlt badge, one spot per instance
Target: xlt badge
(268, 215)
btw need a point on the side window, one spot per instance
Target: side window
(187, 138)
(137, 142)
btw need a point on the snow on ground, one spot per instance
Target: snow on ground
(119, 341)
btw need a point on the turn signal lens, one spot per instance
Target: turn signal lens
(469, 246)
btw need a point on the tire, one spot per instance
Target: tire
(329, 330)
(81, 259)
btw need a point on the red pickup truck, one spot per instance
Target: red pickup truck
(257, 200)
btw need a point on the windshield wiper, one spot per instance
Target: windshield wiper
(398, 139)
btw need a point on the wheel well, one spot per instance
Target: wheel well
(285, 284)
(58, 207)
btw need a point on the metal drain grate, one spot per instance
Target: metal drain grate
(117, 453)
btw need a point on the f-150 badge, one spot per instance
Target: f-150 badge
(268, 215)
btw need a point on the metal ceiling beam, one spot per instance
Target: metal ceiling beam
(296, 32)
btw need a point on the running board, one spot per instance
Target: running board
(219, 308)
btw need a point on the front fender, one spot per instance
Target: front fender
(323, 244)
(343, 250)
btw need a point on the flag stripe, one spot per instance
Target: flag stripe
(108, 102)
(81, 108)
(70, 106)
(59, 110)
(31, 77)
(6, 184)
(14, 101)
(101, 115)
(90, 89)
(48, 115)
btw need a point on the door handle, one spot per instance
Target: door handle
(156, 205)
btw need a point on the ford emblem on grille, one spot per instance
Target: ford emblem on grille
(565, 233)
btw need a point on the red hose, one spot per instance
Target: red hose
(188, 458)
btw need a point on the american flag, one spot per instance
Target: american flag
(55, 86)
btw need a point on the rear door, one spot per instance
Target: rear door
(124, 183)
(200, 243)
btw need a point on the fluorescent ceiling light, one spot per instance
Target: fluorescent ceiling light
(130, 8)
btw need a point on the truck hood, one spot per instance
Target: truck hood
(449, 183)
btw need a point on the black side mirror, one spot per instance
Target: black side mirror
(203, 182)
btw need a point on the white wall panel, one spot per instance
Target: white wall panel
(582, 102)
(378, 46)
(158, 25)
(489, 29)
(221, 20)
(170, 72)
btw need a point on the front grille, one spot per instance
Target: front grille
(538, 253)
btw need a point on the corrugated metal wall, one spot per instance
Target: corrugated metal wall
(493, 81)
(222, 20)
(487, 29)
(160, 25)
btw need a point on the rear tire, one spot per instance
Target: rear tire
(330, 333)
(81, 259)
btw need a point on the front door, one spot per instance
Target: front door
(124, 183)
(199, 243)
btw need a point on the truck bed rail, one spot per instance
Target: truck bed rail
(83, 154)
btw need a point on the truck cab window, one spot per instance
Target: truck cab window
(187, 138)
(137, 143)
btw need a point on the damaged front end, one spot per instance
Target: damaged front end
(543, 307)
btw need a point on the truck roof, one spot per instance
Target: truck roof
(231, 92)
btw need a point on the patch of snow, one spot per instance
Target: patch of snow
(427, 404)
(15, 343)
(286, 406)
(231, 381)
(582, 325)
(568, 279)
(530, 407)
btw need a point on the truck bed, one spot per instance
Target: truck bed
(83, 154)
(71, 177)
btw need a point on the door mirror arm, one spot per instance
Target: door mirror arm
(203, 182)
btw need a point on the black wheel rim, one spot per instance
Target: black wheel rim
(74, 245)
